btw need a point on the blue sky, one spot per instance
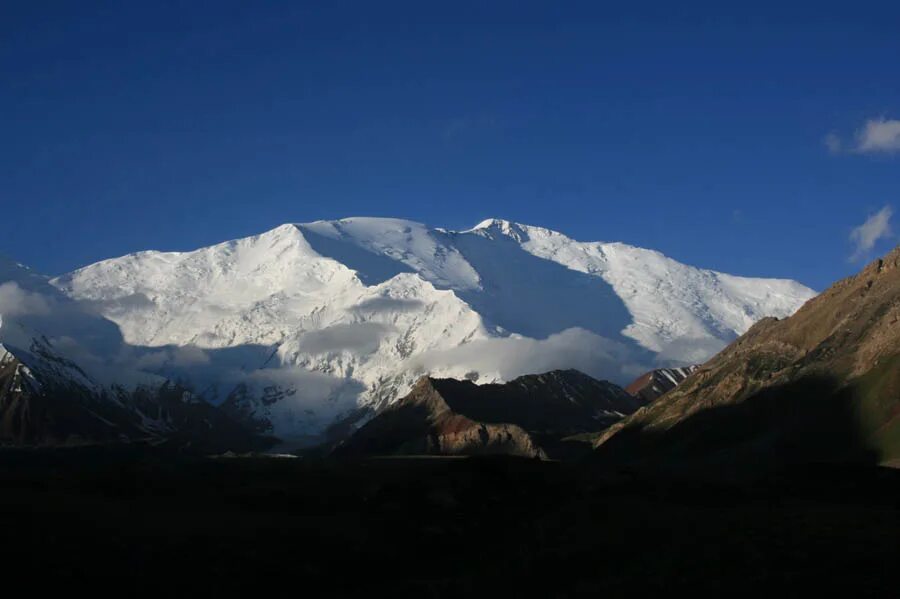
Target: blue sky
(730, 141)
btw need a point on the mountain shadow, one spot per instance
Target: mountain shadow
(371, 268)
(520, 292)
(808, 421)
(533, 296)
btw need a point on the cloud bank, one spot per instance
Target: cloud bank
(510, 357)
(361, 338)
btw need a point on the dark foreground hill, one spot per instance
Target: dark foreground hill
(820, 386)
(141, 522)
(531, 416)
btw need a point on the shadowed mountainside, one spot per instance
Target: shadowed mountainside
(55, 404)
(822, 385)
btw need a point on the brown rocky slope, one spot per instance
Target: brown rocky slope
(654, 384)
(531, 416)
(820, 386)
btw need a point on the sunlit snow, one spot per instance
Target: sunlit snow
(313, 320)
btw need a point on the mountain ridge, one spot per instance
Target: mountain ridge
(314, 322)
(534, 415)
(820, 385)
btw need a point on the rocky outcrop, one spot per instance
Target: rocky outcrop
(656, 383)
(529, 416)
(423, 423)
(821, 385)
(33, 415)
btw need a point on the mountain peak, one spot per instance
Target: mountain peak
(318, 319)
(519, 232)
(283, 229)
(491, 222)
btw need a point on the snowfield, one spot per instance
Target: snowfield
(303, 325)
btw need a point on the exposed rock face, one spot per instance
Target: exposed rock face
(528, 416)
(822, 385)
(33, 415)
(656, 383)
(422, 423)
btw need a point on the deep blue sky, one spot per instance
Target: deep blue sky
(698, 133)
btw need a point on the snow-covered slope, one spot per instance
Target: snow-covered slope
(299, 326)
(68, 377)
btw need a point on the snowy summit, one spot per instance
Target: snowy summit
(303, 325)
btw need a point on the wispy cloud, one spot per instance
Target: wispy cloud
(876, 136)
(879, 136)
(358, 337)
(15, 301)
(513, 356)
(865, 236)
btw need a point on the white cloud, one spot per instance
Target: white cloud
(387, 304)
(15, 301)
(178, 357)
(878, 135)
(514, 356)
(361, 338)
(866, 235)
(686, 352)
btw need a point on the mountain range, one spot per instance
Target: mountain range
(304, 331)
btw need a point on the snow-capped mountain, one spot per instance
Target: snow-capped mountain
(67, 377)
(299, 327)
